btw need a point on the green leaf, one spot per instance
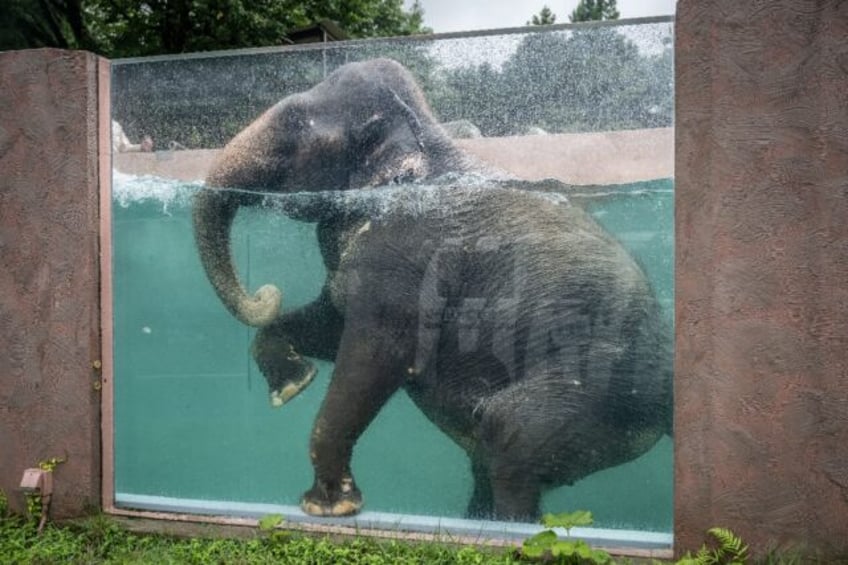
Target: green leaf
(569, 548)
(536, 546)
(600, 556)
(568, 520)
(270, 522)
(731, 545)
(580, 550)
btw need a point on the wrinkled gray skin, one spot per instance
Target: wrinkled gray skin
(516, 324)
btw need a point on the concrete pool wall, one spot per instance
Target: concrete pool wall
(50, 326)
(645, 154)
(761, 176)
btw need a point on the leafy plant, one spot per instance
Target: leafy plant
(50, 465)
(101, 539)
(730, 551)
(4, 504)
(546, 544)
(274, 537)
(33, 505)
(36, 505)
(269, 522)
(568, 520)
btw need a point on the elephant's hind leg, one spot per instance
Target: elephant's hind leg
(514, 487)
(516, 490)
(524, 430)
(481, 504)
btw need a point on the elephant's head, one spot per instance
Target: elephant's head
(366, 124)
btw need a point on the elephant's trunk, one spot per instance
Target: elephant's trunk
(213, 213)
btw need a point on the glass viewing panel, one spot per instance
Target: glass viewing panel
(476, 316)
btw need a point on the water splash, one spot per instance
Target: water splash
(408, 199)
(413, 200)
(133, 189)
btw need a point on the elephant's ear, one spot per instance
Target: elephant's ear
(388, 144)
(370, 134)
(413, 121)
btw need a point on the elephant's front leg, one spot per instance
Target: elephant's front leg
(366, 374)
(278, 348)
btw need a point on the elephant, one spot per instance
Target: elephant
(521, 328)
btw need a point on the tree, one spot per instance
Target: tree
(179, 26)
(205, 102)
(543, 18)
(591, 10)
(125, 28)
(43, 23)
(564, 81)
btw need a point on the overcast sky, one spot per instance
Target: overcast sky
(463, 15)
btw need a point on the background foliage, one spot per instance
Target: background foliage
(586, 79)
(555, 80)
(588, 10)
(129, 28)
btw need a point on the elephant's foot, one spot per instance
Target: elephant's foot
(305, 372)
(340, 498)
(285, 370)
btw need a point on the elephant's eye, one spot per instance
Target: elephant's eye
(295, 119)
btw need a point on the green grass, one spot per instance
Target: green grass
(100, 540)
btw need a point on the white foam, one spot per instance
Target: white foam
(410, 199)
(132, 189)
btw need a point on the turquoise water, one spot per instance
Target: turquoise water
(192, 416)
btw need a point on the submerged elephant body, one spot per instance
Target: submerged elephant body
(515, 323)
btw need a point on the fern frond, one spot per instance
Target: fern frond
(731, 546)
(728, 541)
(705, 556)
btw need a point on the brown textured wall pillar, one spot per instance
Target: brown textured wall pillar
(49, 273)
(762, 272)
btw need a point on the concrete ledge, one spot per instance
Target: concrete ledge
(580, 158)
